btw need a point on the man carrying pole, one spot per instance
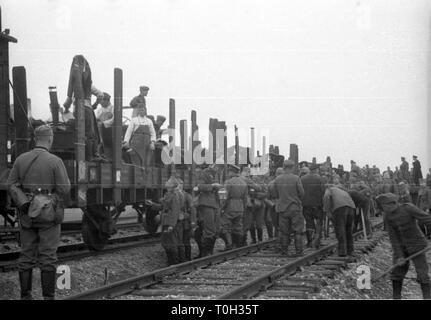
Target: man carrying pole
(406, 239)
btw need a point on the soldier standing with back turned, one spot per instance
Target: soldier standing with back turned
(38, 183)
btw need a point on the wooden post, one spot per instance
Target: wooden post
(183, 139)
(20, 110)
(236, 146)
(117, 134)
(252, 146)
(54, 106)
(294, 156)
(263, 145)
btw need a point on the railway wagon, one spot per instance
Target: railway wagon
(102, 190)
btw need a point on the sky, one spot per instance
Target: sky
(342, 78)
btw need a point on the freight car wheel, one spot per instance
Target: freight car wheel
(91, 235)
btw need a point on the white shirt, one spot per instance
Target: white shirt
(135, 123)
(105, 115)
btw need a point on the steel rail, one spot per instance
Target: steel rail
(129, 285)
(79, 250)
(267, 280)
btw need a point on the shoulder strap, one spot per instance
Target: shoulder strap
(29, 167)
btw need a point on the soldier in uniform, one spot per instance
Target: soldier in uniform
(232, 218)
(406, 239)
(172, 223)
(404, 168)
(38, 184)
(208, 206)
(289, 191)
(271, 203)
(139, 102)
(189, 221)
(340, 208)
(417, 171)
(312, 202)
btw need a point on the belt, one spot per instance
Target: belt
(36, 191)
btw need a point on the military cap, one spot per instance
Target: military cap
(314, 167)
(305, 170)
(288, 163)
(106, 96)
(144, 88)
(279, 171)
(415, 157)
(171, 183)
(387, 198)
(233, 168)
(43, 130)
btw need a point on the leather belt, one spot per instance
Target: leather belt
(37, 191)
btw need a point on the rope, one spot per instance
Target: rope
(21, 105)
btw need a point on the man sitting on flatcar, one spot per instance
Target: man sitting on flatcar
(141, 136)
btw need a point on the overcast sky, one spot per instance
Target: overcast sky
(344, 78)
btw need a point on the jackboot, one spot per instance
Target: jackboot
(270, 230)
(47, 278)
(188, 252)
(309, 234)
(397, 286)
(172, 256)
(198, 239)
(259, 234)
(227, 238)
(426, 291)
(244, 240)
(91, 153)
(299, 243)
(253, 235)
(236, 240)
(25, 280)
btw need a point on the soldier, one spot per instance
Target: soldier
(404, 168)
(189, 222)
(362, 202)
(404, 193)
(38, 183)
(340, 208)
(171, 222)
(251, 208)
(271, 203)
(139, 102)
(232, 218)
(417, 172)
(406, 239)
(208, 205)
(289, 191)
(312, 202)
(141, 136)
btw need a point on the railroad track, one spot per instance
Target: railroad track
(8, 261)
(241, 273)
(11, 234)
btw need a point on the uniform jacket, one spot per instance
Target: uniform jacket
(171, 204)
(288, 190)
(236, 197)
(189, 208)
(360, 199)
(417, 172)
(47, 173)
(313, 190)
(208, 196)
(335, 198)
(404, 233)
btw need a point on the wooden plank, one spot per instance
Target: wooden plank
(20, 110)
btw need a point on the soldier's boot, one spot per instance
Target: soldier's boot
(198, 239)
(253, 235)
(397, 286)
(236, 240)
(181, 254)
(259, 234)
(91, 153)
(299, 243)
(309, 234)
(244, 240)
(188, 252)
(227, 237)
(270, 231)
(426, 291)
(172, 256)
(211, 244)
(25, 280)
(48, 284)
